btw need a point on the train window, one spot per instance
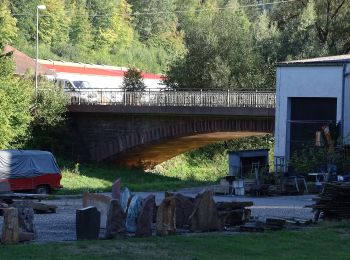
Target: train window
(69, 86)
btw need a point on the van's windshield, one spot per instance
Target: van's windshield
(81, 84)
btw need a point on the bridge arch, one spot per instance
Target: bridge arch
(103, 150)
(156, 153)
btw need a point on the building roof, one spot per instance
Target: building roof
(24, 63)
(90, 69)
(329, 60)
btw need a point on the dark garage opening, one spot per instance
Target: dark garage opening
(307, 116)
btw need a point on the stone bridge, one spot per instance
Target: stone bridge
(111, 131)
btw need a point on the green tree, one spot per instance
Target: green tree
(267, 40)
(53, 22)
(15, 99)
(48, 130)
(80, 30)
(219, 53)
(133, 80)
(119, 33)
(153, 17)
(100, 15)
(313, 28)
(8, 29)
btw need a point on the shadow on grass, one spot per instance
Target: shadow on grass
(77, 178)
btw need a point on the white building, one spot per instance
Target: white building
(311, 95)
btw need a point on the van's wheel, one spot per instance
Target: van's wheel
(42, 189)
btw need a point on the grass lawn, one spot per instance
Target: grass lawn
(99, 178)
(327, 241)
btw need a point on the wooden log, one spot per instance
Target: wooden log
(10, 228)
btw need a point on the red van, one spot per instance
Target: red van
(29, 170)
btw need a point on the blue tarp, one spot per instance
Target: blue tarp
(16, 164)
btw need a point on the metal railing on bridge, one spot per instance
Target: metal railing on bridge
(192, 98)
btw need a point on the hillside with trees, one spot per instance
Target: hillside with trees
(197, 43)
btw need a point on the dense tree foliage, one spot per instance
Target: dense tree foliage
(200, 44)
(22, 111)
(15, 100)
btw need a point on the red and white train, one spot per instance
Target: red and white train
(88, 83)
(98, 76)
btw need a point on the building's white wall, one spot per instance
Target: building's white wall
(307, 81)
(347, 106)
(105, 81)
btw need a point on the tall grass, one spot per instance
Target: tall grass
(200, 167)
(210, 163)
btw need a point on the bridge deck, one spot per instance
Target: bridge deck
(156, 98)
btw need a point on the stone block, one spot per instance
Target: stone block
(26, 236)
(125, 199)
(145, 219)
(88, 223)
(116, 186)
(133, 213)
(10, 229)
(166, 217)
(115, 220)
(205, 214)
(26, 220)
(184, 209)
(101, 202)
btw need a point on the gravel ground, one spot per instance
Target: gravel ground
(60, 226)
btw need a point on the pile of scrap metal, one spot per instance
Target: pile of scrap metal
(333, 202)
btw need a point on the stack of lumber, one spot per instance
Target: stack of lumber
(334, 201)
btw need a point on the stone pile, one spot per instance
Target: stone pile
(22, 213)
(126, 214)
(120, 214)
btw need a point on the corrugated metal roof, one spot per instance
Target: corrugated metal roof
(338, 59)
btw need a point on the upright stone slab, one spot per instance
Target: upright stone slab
(166, 218)
(115, 220)
(116, 189)
(27, 231)
(205, 215)
(124, 199)
(133, 213)
(101, 202)
(184, 209)
(88, 223)
(10, 229)
(26, 220)
(144, 222)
